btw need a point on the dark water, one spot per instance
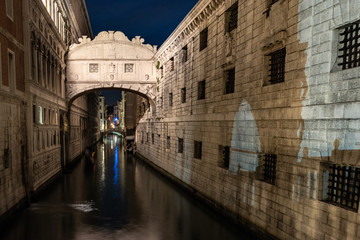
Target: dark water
(118, 198)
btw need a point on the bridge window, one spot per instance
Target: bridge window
(224, 156)
(180, 145)
(231, 17)
(170, 99)
(203, 39)
(201, 90)
(129, 67)
(183, 95)
(230, 81)
(197, 149)
(93, 67)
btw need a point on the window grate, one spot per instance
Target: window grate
(230, 81)
(270, 168)
(350, 46)
(232, 19)
(201, 90)
(93, 67)
(203, 39)
(343, 187)
(277, 66)
(197, 149)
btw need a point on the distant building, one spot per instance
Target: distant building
(121, 109)
(102, 116)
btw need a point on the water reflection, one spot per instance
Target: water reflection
(118, 199)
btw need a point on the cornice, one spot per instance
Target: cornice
(203, 10)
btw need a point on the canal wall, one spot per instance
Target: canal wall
(260, 115)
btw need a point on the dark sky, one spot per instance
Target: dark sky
(153, 20)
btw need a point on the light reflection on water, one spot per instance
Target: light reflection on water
(120, 198)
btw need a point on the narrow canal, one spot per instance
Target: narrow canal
(118, 198)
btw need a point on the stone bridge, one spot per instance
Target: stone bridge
(111, 60)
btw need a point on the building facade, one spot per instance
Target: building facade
(43, 131)
(12, 108)
(257, 111)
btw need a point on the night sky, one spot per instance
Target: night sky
(152, 20)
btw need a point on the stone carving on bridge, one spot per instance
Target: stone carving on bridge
(112, 68)
(111, 60)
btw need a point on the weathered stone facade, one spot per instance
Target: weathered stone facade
(253, 113)
(12, 107)
(35, 35)
(52, 125)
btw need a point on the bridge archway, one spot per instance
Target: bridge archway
(111, 61)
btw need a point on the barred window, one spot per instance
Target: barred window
(343, 186)
(230, 81)
(184, 54)
(277, 66)
(203, 39)
(170, 99)
(93, 67)
(224, 156)
(180, 145)
(350, 46)
(197, 149)
(183, 95)
(201, 90)
(270, 168)
(231, 17)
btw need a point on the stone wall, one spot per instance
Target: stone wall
(281, 137)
